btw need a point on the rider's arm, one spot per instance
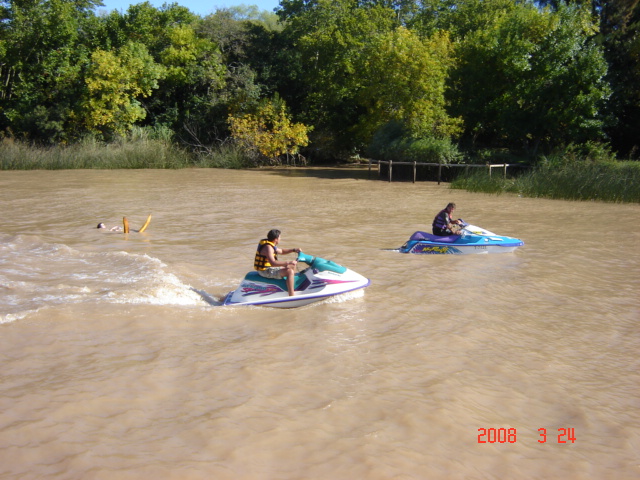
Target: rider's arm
(285, 251)
(269, 253)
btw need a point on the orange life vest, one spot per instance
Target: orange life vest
(261, 262)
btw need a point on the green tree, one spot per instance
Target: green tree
(459, 17)
(143, 23)
(41, 65)
(191, 89)
(187, 96)
(115, 82)
(329, 38)
(620, 30)
(532, 78)
(244, 36)
(404, 81)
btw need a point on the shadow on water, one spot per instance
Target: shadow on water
(360, 172)
(402, 173)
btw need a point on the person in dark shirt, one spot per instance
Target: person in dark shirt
(443, 223)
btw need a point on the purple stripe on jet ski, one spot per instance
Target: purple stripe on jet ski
(260, 289)
(434, 238)
(322, 282)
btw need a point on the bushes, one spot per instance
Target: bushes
(392, 143)
(609, 181)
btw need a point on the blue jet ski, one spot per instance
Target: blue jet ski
(472, 239)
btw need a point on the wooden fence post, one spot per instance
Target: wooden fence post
(414, 171)
(439, 172)
(390, 166)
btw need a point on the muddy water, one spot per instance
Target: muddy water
(113, 366)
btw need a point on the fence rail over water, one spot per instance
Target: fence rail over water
(391, 163)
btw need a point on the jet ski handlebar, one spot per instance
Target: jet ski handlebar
(308, 259)
(320, 263)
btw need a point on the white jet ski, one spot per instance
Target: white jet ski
(320, 280)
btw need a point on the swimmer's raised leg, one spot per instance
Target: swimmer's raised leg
(146, 224)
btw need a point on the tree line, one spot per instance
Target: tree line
(404, 79)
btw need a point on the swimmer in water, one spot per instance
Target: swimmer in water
(112, 229)
(125, 226)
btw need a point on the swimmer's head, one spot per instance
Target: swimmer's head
(101, 225)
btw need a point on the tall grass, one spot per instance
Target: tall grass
(225, 155)
(609, 181)
(91, 154)
(141, 149)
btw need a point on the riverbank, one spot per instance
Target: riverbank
(609, 181)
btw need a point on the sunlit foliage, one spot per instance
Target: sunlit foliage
(269, 131)
(115, 82)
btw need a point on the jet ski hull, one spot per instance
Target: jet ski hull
(474, 240)
(315, 283)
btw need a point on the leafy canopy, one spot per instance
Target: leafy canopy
(269, 131)
(115, 81)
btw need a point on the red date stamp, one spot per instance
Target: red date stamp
(510, 435)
